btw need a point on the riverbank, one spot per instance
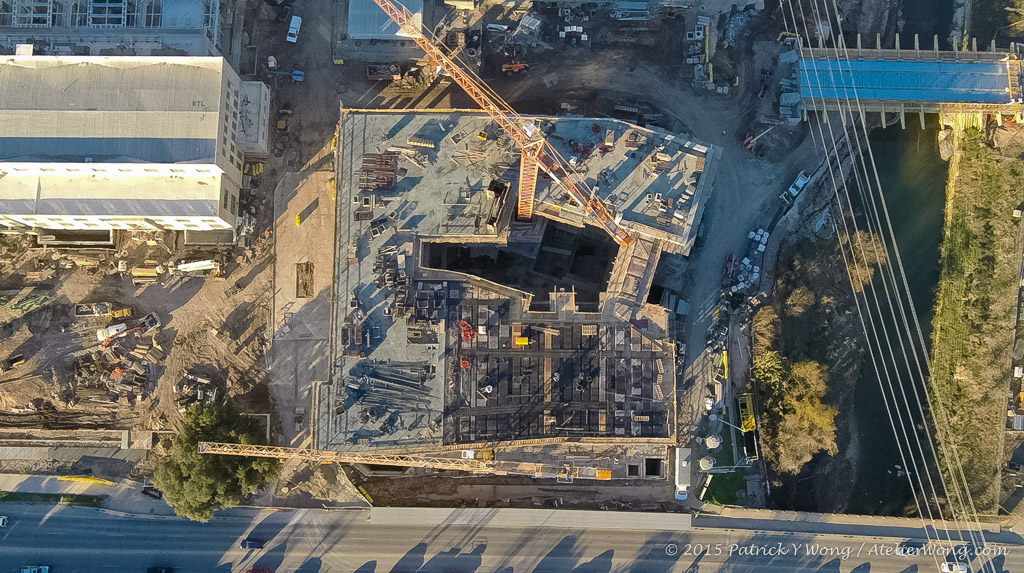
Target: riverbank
(975, 314)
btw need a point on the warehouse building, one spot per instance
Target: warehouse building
(134, 143)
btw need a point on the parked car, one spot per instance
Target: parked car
(293, 29)
(801, 180)
(3, 521)
(953, 567)
(34, 569)
(252, 543)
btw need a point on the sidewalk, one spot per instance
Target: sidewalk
(124, 495)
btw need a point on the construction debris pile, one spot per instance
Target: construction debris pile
(192, 389)
(121, 369)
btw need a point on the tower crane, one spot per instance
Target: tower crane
(475, 465)
(537, 152)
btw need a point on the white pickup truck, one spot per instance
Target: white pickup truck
(801, 181)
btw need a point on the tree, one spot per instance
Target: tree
(801, 424)
(798, 301)
(765, 329)
(769, 369)
(196, 485)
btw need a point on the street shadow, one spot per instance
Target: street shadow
(831, 566)
(562, 557)
(600, 564)
(412, 560)
(455, 560)
(652, 556)
(311, 565)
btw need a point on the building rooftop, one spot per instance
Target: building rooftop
(111, 27)
(654, 180)
(110, 193)
(455, 324)
(366, 21)
(158, 110)
(909, 80)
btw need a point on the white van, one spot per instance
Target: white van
(293, 29)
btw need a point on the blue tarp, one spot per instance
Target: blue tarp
(907, 80)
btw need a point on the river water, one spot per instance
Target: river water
(913, 180)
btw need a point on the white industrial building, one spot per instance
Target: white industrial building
(101, 143)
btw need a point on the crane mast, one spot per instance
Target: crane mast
(407, 460)
(537, 153)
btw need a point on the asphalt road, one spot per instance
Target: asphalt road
(90, 540)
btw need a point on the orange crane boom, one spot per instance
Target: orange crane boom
(537, 152)
(407, 460)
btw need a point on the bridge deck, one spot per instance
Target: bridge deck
(918, 81)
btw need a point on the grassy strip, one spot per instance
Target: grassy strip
(975, 312)
(66, 498)
(723, 487)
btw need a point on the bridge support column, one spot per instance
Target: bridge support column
(935, 43)
(917, 47)
(903, 117)
(881, 112)
(999, 119)
(860, 49)
(921, 113)
(898, 57)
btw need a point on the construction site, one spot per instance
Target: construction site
(455, 288)
(461, 323)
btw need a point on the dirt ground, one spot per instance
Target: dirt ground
(202, 333)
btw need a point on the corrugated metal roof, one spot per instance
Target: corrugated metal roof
(77, 99)
(366, 21)
(963, 82)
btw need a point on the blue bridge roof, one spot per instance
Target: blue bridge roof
(906, 80)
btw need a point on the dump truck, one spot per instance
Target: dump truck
(111, 331)
(85, 310)
(383, 72)
(93, 309)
